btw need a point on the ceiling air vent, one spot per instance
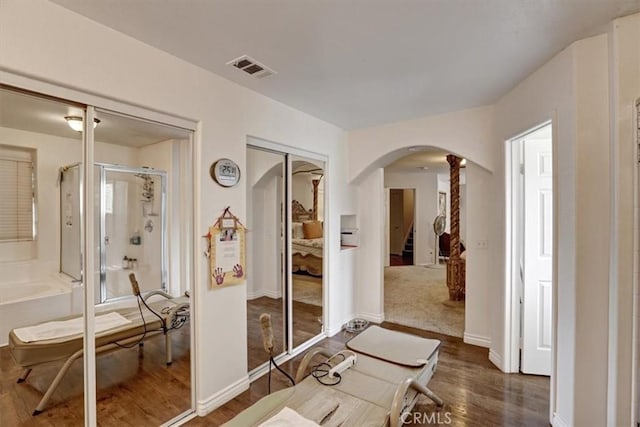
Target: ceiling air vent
(251, 67)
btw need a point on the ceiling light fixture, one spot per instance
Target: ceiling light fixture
(463, 162)
(75, 122)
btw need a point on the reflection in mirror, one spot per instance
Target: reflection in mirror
(307, 247)
(143, 198)
(265, 246)
(143, 192)
(36, 143)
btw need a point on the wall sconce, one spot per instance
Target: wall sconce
(75, 122)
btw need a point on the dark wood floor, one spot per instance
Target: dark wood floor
(306, 325)
(475, 392)
(134, 389)
(143, 391)
(396, 260)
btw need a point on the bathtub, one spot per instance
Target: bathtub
(28, 303)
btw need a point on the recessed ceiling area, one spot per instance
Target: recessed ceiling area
(365, 62)
(41, 115)
(423, 159)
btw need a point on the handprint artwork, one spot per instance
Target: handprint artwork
(237, 271)
(226, 251)
(219, 276)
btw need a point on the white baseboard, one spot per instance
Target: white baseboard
(371, 317)
(478, 340)
(253, 295)
(496, 359)
(263, 293)
(223, 396)
(558, 422)
(337, 327)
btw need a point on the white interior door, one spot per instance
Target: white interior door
(538, 244)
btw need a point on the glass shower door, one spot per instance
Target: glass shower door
(132, 224)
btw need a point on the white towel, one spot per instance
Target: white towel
(288, 418)
(65, 328)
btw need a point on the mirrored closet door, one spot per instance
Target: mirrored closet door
(39, 216)
(266, 263)
(81, 212)
(285, 216)
(307, 248)
(142, 228)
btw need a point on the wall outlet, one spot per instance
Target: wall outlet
(481, 244)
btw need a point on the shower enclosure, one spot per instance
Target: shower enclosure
(131, 228)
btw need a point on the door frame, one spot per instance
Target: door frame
(388, 221)
(511, 361)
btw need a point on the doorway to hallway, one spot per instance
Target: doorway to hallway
(531, 255)
(401, 226)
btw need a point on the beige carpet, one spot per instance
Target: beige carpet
(307, 289)
(418, 296)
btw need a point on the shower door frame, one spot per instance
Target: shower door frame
(109, 167)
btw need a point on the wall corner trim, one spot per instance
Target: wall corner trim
(372, 317)
(558, 422)
(496, 359)
(336, 328)
(218, 399)
(478, 340)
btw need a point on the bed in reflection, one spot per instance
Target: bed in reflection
(307, 241)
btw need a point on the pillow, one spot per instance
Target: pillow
(296, 230)
(312, 229)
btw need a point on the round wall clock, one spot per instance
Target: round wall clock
(225, 172)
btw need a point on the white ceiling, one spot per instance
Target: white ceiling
(42, 115)
(360, 63)
(425, 159)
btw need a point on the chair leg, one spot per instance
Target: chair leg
(56, 381)
(24, 375)
(167, 348)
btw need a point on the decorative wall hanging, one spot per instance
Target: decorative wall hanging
(225, 172)
(226, 250)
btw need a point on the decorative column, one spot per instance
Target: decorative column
(455, 265)
(314, 211)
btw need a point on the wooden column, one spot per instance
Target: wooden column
(455, 265)
(314, 209)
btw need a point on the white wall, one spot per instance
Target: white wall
(369, 291)
(302, 189)
(476, 214)
(572, 90)
(264, 242)
(592, 243)
(625, 90)
(426, 201)
(35, 36)
(466, 133)
(544, 95)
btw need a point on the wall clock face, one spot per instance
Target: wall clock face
(225, 172)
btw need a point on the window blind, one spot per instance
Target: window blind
(16, 199)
